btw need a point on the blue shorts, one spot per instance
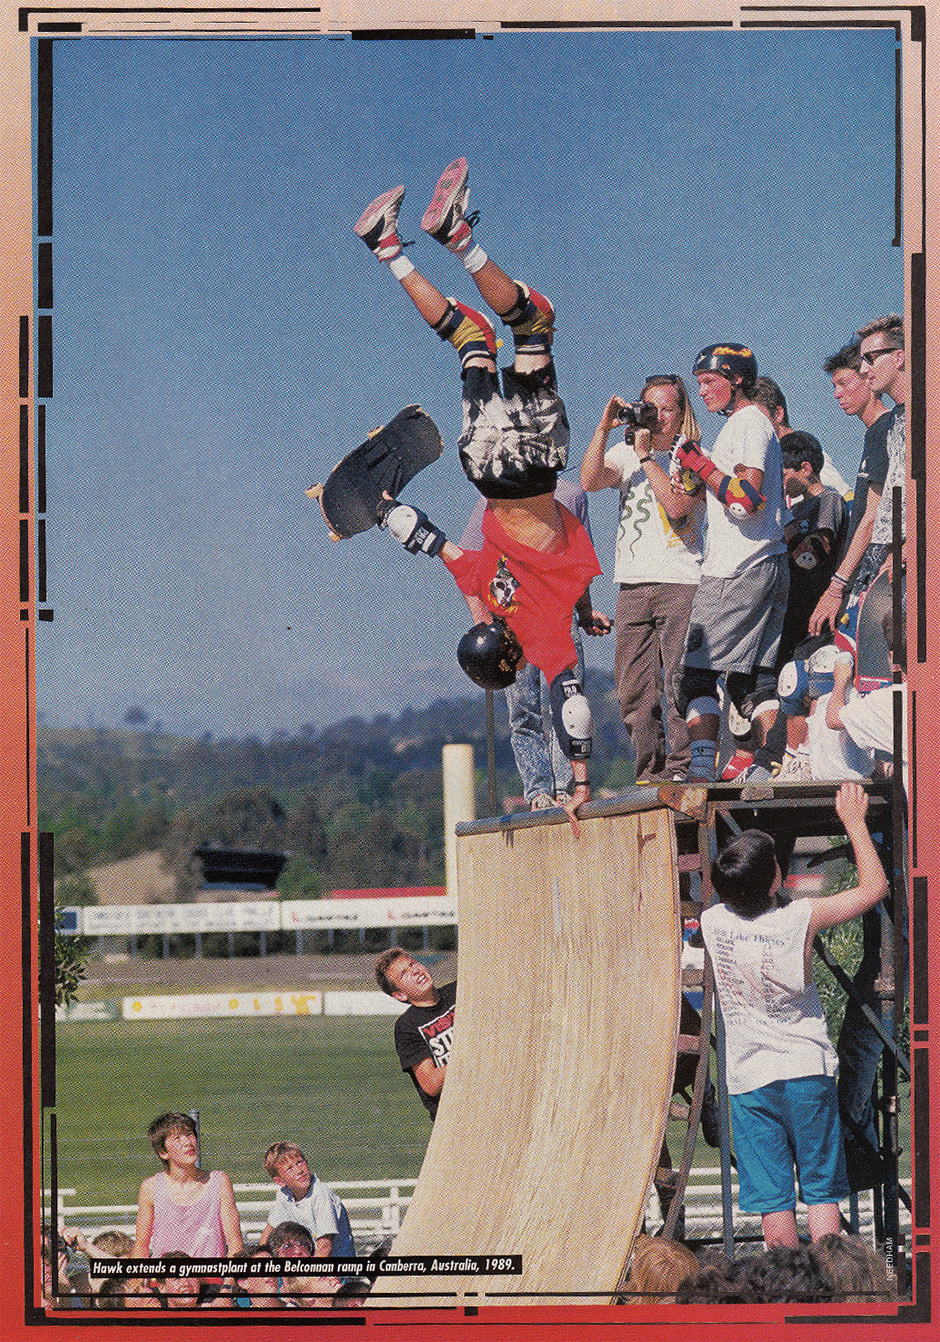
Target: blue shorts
(787, 1123)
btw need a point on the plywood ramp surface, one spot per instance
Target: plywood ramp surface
(560, 1076)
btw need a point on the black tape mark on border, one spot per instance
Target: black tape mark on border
(47, 970)
(24, 357)
(24, 459)
(44, 274)
(43, 137)
(41, 460)
(921, 1143)
(44, 357)
(413, 34)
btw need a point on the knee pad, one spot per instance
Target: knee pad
(792, 689)
(470, 333)
(763, 697)
(531, 321)
(740, 686)
(694, 684)
(802, 680)
(571, 716)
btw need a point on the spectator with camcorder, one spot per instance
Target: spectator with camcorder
(657, 559)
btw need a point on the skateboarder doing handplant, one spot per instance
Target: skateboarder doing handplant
(537, 560)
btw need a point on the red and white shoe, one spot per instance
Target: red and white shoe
(446, 217)
(738, 764)
(378, 224)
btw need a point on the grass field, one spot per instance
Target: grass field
(332, 1084)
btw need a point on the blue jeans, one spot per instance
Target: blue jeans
(542, 765)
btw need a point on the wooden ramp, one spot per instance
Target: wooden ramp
(560, 1076)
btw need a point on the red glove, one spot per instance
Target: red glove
(691, 458)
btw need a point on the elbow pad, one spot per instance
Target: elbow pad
(740, 498)
(571, 716)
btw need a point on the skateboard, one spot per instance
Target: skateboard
(872, 653)
(351, 498)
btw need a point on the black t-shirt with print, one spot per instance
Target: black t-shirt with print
(427, 1032)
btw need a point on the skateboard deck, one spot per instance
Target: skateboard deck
(390, 457)
(872, 653)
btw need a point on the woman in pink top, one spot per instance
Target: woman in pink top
(184, 1208)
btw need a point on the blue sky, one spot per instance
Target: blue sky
(222, 338)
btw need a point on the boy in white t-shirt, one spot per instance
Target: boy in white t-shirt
(781, 1065)
(739, 607)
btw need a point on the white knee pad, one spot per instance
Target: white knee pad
(571, 716)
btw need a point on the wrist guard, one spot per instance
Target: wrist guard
(413, 529)
(690, 458)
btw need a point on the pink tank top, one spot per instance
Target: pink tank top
(196, 1230)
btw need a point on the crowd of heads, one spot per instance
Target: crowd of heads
(837, 1269)
(269, 1275)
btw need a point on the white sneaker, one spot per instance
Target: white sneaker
(378, 224)
(542, 802)
(794, 768)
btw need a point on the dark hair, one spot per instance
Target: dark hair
(777, 1275)
(714, 1286)
(286, 1231)
(800, 446)
(765, 392)
(744, 872)
(855, 1270)
(847, 357)
(891, 326)
(381, 967)
(782, 1274)
(164, 1125)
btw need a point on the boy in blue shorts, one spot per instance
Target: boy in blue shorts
(781, 1065)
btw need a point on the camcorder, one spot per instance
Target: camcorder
(637, 415)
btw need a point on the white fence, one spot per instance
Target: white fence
(703, 1213)
(376, 1208)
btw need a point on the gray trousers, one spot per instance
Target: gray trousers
(650, 623)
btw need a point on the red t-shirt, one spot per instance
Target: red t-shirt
(534, 591)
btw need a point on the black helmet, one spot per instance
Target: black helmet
(729, 360)
(489, 653)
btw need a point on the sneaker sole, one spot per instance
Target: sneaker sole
(374, 215)
(449, 188)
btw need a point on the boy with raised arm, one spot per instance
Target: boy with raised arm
(781, 1065)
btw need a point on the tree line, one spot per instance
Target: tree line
(355, 805)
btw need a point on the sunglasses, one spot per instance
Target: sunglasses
(871, 355)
